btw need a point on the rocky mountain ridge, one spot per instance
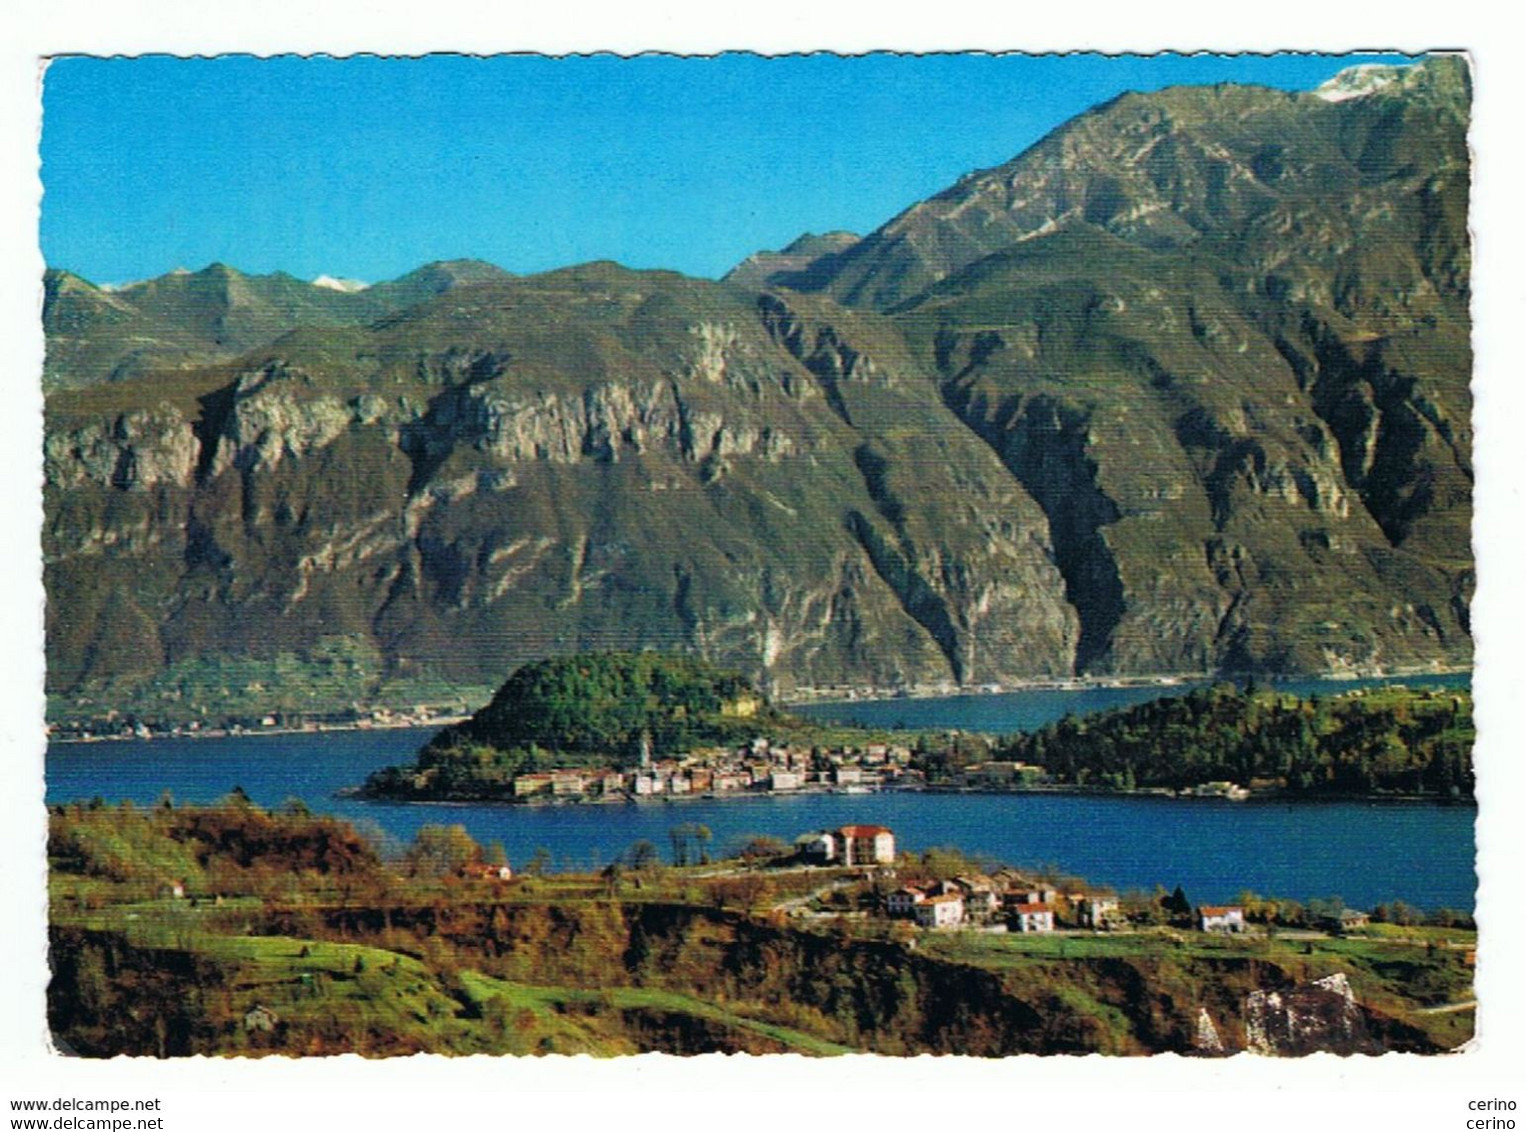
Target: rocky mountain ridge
(1182, 389)
(186, 319)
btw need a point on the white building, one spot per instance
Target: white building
(1032, 918)
(943, 911)
(820, 846)
(866, 845)
(1221, 918)
(1099, 912)
(786, 780)
(903, 901)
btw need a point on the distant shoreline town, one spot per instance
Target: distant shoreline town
(116, 725)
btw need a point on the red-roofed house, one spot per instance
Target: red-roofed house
(866, 845)
(481, 870)
(1031, 917)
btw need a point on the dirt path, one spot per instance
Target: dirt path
(1449, 1008)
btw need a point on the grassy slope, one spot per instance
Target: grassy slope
(1118, 993)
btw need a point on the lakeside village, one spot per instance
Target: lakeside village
(117, 725)
(763, 766)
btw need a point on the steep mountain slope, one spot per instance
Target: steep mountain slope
(1185, 387)
(595, 458)
(1225, 332)
(1166, 170)
(762, 268)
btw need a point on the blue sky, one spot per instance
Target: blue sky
(369, 167)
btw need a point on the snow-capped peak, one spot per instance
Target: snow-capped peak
(349, 286)
(1359, 81)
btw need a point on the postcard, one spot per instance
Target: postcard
(804, 556)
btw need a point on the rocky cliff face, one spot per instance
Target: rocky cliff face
(1222, 331)
(1184, 388)
(685, 467)
(1322, 1016)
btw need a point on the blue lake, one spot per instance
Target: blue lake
(1363, 852)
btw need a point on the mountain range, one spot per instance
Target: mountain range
(1182, 388)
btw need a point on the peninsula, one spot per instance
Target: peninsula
(614, 727)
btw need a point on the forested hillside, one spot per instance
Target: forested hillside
(1393, 741)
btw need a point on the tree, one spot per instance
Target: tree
(1142, 907)
(678, 841)
(944, 862)
(688, 842)
(539, 862)
(1326, 910)
(1177, 905)
(1402, 914)
(761, 849)
(641, 855)
(1257, 908)
(440, 850)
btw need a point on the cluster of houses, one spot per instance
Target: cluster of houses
(113, 725)
(761, 766)
(1007, 899)
(1012, 902)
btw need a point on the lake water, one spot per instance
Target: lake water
(1363, 852)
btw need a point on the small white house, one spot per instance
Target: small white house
(1099, 912)
(1221, 918)
(819, 847)
(903, 901)
(786, 780)
(944, 911)
(1032, 918)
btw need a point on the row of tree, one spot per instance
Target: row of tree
(1395, 741)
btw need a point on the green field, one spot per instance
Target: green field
(293, 937)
